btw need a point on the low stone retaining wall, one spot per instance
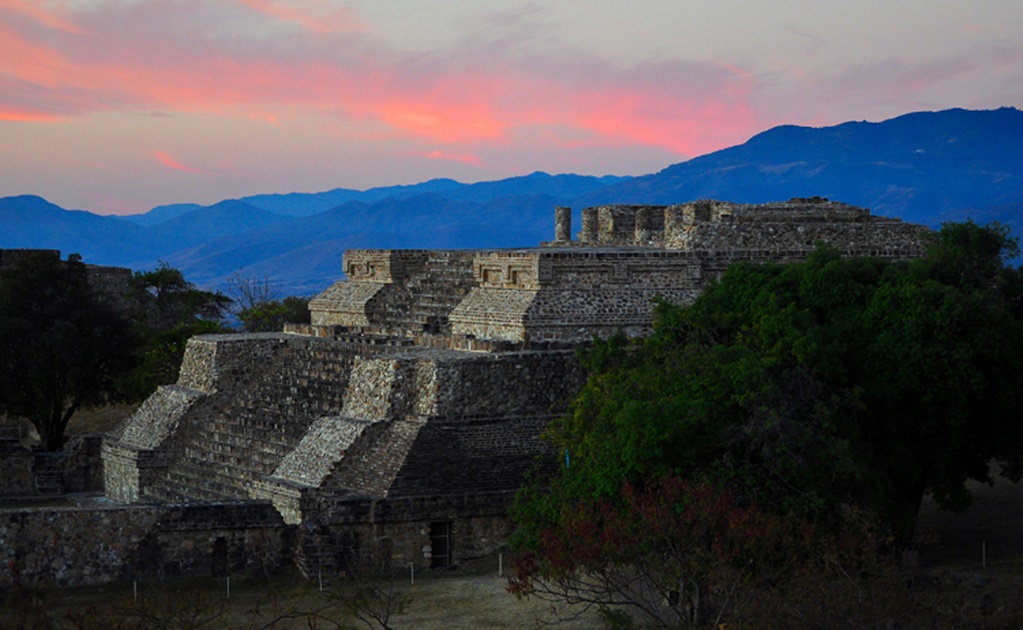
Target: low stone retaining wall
(75, 546)
(26, 472)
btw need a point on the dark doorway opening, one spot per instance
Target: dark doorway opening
(218, 560)
(440, 544)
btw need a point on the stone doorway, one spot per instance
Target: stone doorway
(440, 545)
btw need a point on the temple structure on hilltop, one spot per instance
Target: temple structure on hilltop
(401, 421)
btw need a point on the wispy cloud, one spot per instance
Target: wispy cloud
(37, 12)
(503, 88)
(174, 57)
(173, 163)
(461, 158)
(321, 17)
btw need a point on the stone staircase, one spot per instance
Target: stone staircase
(423, 302)
(447, 277)
(221, 459)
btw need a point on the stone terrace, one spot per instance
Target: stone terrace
(401, 421)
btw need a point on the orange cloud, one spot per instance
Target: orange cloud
(264, 117)
(172, 163)
(441, 121)
(13, 115)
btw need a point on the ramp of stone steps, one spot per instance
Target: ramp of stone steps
(417, 297)
(260, 394)
(326, 444)
(280, 418)
(159, 416)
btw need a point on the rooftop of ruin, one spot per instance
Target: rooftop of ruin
(567, 290)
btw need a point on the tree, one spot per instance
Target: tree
(809, 389)
(271, 316)
(62, 345)
(174, 300)
(170, 310)
(691, 553)
(260, 310)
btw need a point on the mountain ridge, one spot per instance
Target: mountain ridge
(925, 167)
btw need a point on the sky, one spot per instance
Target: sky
(117, 106)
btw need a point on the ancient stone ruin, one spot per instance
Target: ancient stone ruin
(400, 423)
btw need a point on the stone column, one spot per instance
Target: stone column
(588, 233)
(562, 224)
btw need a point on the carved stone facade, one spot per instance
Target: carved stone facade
(567, 291)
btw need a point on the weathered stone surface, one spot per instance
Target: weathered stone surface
(414, 401)
(97, 545)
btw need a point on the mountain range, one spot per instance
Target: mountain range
(924, 167)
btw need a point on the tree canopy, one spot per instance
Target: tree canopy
(259, 309)
(810, 389)
(170, 310)
(63, 345)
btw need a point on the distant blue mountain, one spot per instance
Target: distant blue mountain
(926, 167)
(159, 214)
(204, 224)
(307, 204)
(915, 167)
(28, 221)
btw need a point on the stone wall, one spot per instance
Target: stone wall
(397, 532)
(573, 294)
(78, 546)
(716, 226)
(98, 545)
(626, 256)
(426, 422)
(112, 282)
(474, 455)
(12, 257)
(16, 464)
(26, 472)
(300, 410)
(772, 233)
(241, 403)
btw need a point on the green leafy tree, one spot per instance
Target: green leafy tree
(260, 310)
(271, 316)
(63, 346)
(175, 301)
(809, 389)
(170, 310)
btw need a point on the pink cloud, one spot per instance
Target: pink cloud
(159, 64)
(333, 20)
(461, 158)
(172, 163)
(11, 114)
(32, 63)
(39, 14)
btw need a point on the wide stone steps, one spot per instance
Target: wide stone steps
(208, 475)
(196, 483)
(222, 458)
(250, 436)
(258, 460)
(431, 294)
